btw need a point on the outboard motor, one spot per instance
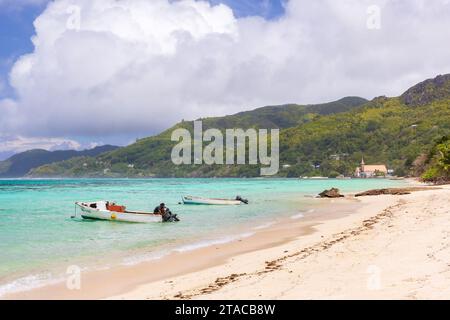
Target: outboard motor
(170, 217)
(239, 198)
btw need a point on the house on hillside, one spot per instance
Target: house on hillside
(370, 171)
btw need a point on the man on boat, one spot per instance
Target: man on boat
(160, 209)
(166, 214)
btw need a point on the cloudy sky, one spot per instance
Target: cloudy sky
(76, 73)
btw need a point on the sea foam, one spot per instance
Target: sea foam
(212, 242)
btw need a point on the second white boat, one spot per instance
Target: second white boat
(213, 201)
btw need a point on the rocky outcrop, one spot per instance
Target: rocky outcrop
(428, 91)
(332, 193)
(376, 192)
(392, 191)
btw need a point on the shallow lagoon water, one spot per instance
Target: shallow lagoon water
(37, 233)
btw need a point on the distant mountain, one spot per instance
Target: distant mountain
(315, 140)
(20, 164)
(6, 154)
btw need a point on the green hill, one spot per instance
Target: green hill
(284, 116)
(151, 156)
(20, 164)
(383, 131)
(315, 140)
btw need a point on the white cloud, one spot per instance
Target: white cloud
(19, 144)
(2, 86)
(138, 65)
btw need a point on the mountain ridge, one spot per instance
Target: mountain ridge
(21, 163)
(427, 91)
(313, 141)
(137, 154)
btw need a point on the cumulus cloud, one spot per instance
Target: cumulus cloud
(2, 86)
(101, 67)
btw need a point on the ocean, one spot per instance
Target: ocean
(39, 239)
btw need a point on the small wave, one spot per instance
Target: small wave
(101, 268)
(264, 226)
(208, 243)
(136, 259)
(301, 214)
(27, 283)
(39, 280)
(298, 216)
(131, 261)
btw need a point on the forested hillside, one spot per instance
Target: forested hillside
(20, 164)
(321, 140)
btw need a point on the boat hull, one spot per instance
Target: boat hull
(96, 214)
(207, 201)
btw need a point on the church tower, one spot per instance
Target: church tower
(362, 164)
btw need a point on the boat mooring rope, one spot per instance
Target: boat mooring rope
(75, 215)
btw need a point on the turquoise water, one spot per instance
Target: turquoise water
(37, 233)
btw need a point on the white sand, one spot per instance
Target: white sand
(393, 247)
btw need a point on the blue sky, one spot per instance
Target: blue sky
(16, 27)
(268, 9)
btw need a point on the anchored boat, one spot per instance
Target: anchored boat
(105, 210)
(213, 201)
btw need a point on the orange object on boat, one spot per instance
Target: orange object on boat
(116, 208)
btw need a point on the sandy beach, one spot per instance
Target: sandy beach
(393, 247)
(373, 247)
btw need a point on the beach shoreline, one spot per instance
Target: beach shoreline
(202, 273)
(129, 276)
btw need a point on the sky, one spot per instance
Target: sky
(17, 16)
(79, 73)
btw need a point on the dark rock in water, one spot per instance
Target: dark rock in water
(332, 193)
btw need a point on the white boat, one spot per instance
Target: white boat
(212, 201)
(101, 210)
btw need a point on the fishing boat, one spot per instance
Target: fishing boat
(105, 210)
(213, 201)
